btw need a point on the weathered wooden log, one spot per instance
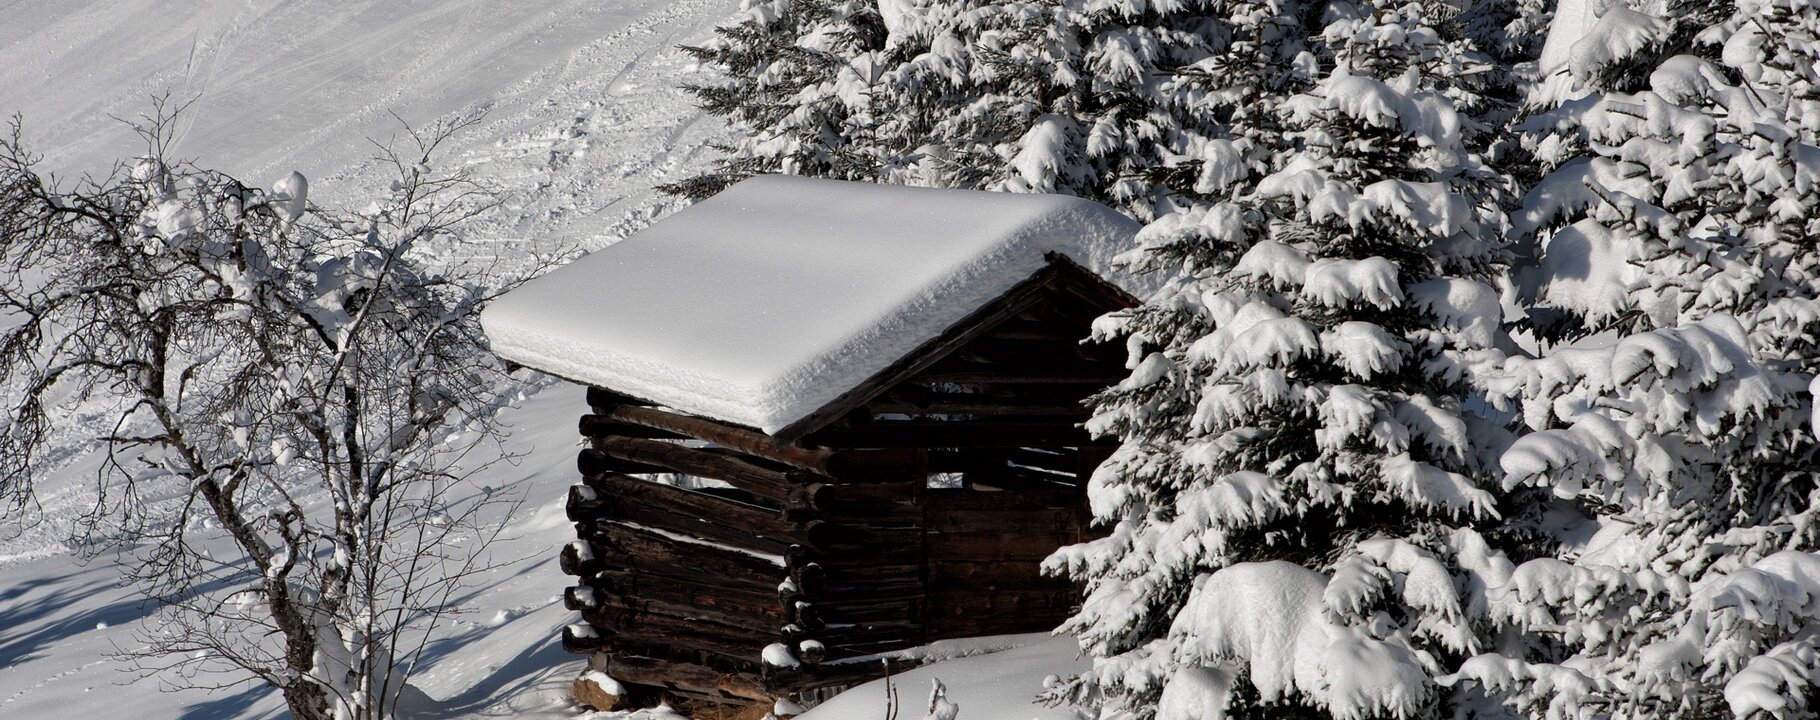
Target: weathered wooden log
(619, 497)
(875, 540)
(871, 499)
(1020, 481)
(1064, 462)
(868, 557)
(864, 568)
(578, 558)
(592, 461)
(991, 547)
(942, 500)
(1049, 350)
(662, 518)
(947, 574)
(614, 488)
(578, 502)
(773, 484)
(839, 638)
(712, 592)
(597, 426)
(835, 594)
(1013, 599)
(758, 617)
(835, 615)
(581, 639)
(625, 580)
(1019, 521)
(809, 576)
(812, 677)
(818, 459)
(657, 672)
(645, 550)
(893, 465)
(1035, 329)
(579, 597)
(655, 629)
(812, 652)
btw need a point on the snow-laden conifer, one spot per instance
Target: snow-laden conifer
(1294, 510)
(795, 74)
(1101, 99)
(1675, 221)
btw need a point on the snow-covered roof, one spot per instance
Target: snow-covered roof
(768, 301)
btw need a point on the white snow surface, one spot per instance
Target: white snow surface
(584, 112)
(768, 301)
(1573, 20)
(994, 686)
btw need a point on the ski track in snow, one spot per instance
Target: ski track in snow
(583, 117)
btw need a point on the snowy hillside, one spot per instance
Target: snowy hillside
(583, 116)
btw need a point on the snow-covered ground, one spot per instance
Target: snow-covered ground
(583, 108)
(583, 115)
(62, 620)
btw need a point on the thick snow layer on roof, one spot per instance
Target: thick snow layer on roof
(766, 302)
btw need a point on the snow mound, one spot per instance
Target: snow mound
(1000, 685)
(768, 301)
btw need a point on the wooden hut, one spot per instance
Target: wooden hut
(829, 420)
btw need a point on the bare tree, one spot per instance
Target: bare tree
(303, 399)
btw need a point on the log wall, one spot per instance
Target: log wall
(839, 543)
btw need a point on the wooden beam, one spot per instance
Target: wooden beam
(753, 442)
(591, 461)
(619, 497)
(947, 574)
(745, 475)
(633, 548)
(947, 500)
(992, 547)
(657, 672)
(580, 644)
(757, 617)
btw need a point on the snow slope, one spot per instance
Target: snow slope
(61, 619)
(583, 110)
(998, 685)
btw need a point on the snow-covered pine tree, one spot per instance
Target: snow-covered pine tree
(1677, 219)
(1098, 99)
(796, 72)
(1294, 504)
